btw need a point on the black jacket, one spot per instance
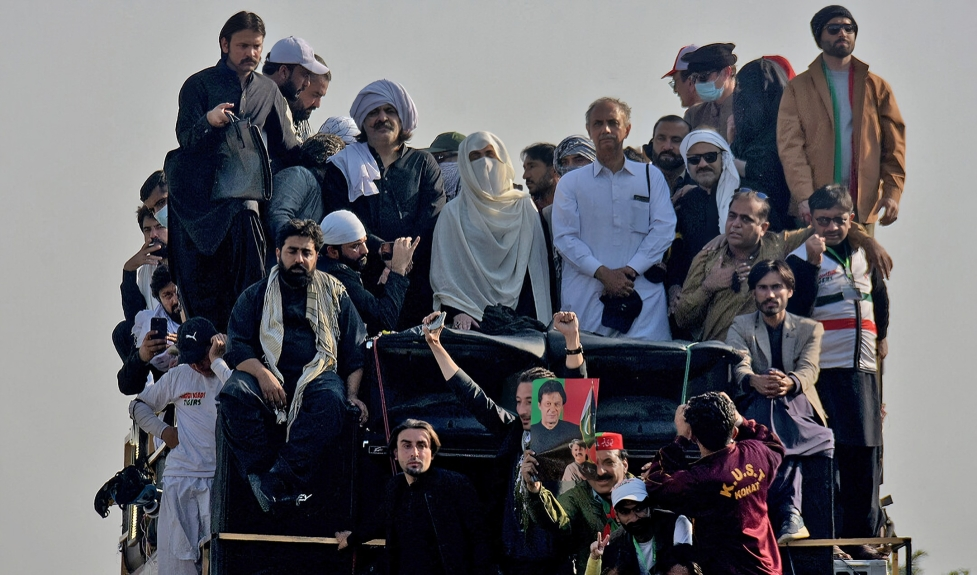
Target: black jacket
(379, 313)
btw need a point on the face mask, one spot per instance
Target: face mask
(490, 175)
(708, 90)
(161, 216)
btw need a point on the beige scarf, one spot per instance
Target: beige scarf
(322, 310)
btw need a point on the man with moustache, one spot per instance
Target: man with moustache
(295, 343)
(839, 124)
(217, 246)
(525, 549)
(293, 66)
(308, 101)
(613, 221)
(395, 191)
(647, 533)
(578, 514)
(539, 174)
(663, 150)
(345, 256)
(149, 359)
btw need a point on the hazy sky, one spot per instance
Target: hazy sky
(89, 111)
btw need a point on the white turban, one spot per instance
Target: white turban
(385, 92)
(342, 227)
(342, 126)
(729, 180)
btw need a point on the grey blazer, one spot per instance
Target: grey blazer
(801, 349)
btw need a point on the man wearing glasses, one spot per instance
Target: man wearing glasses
(839, 124)
(836, 287)
(714, 71)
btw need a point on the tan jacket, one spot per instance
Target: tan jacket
(806, 140)
(801, 350)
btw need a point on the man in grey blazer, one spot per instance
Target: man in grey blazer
(776, 380)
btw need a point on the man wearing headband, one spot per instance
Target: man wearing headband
(839, 124)
(713, 68)
(345, 252)
(586, 509)
(217, 248)
(395, 191)
(613, 221)
(725, 490)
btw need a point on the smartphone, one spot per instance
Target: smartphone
(387, 251)
(162, 251)
(158, 324)
(438, 322)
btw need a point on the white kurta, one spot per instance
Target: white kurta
(614, 220)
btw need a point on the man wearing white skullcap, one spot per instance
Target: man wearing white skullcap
(395, 191)
(345, 250)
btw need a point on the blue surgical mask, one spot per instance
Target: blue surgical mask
(161, 216)
(708, 90)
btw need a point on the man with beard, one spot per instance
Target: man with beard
(836, 287)
(663, 150)
(775, 380)
(713, 68)
(647, 533)
(292, 64)
(395, 191)
(539, 174)
(345, 251)
(839, 124)
(151, 358)
(613, 221)
(525, 548)
(294, 338)
(218, 248)
(308, 101)
(584, 510)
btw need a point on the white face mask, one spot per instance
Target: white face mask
(490, 175)
(161, 216)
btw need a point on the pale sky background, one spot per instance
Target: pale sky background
(90, 108)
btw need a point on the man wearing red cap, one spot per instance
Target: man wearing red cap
(681, 81)
(578, 514)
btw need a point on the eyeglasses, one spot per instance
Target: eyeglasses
(710, 157)
(671, 83)
(834, 29)
(700, 77)
(825, 222)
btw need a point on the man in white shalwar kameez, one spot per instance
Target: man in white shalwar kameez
(612, 222)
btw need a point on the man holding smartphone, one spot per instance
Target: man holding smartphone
(154, 333)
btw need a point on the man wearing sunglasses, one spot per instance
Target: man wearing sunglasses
(839, 124)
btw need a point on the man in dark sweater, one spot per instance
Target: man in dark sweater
(524, 548)
(725, 491)
(294, 339)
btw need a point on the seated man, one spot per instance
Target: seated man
(147, 362)
(192, 388)
(294, 338)
(584, 510)
(525, 548)
(725, 491)
(647, 533)
(488, 247)
(345, 257)
(713, 293)
(776, 380)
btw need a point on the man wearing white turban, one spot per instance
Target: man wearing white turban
(489, 241)
(395, 191)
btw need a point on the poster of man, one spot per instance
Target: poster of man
(564, 412)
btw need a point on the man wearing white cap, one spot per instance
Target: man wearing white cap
(647, 533)
(681, 81)
(345, 249)
(291, 64)
(395, 191)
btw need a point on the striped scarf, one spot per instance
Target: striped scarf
(322, 310)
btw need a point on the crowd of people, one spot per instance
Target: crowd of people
(749, 221)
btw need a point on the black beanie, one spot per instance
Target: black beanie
(825, 15)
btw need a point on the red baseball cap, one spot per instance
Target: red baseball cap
(680, 65)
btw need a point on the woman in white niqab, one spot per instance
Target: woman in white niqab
(488, 239)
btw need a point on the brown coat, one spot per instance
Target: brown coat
(805, 138)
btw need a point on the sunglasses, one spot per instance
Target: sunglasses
(834, 29)
(759, 195)
(838, 221)
(710, 157)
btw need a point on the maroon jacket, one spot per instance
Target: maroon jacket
(725, 493)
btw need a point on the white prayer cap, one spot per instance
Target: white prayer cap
(342, 227)
(342, 126)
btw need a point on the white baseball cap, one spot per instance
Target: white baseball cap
(679, 64)
(294, 50)
(629, 490)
